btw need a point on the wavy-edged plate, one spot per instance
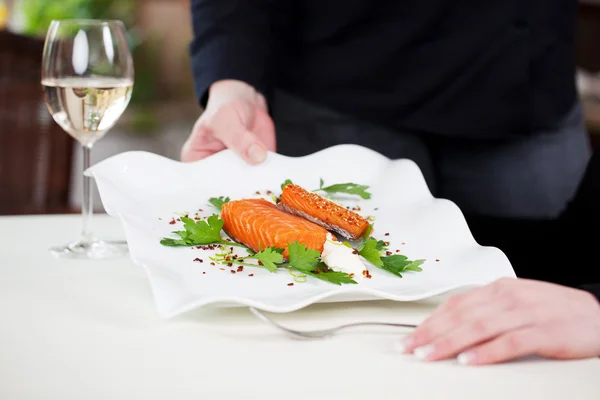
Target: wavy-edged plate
(145, 191)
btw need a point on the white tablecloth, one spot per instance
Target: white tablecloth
(89, 330)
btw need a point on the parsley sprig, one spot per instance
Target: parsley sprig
(217, 202)
(199, 233)
(347, 188)
(372, 249)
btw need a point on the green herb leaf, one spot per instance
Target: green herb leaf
(335, 277)
(348, 188)
(287, 182)
(321, 183)
(173, 242)
(380, 245)
(217, 202)
(368, 232)
(301, 258)
(203, 232)
(269, 258)
(369, 251)
(199, 233)
(398, 263)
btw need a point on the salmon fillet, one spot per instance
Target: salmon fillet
(259, 224)
(326, 213)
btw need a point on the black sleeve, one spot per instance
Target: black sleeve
(233, 39)
(593, 289)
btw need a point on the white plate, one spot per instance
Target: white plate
(140, 188)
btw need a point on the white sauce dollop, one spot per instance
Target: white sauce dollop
(341, 258)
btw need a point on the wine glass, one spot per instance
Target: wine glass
(87, 75)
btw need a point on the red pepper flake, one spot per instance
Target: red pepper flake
(291, 284)
(351, 275)
(197, 218)
(365, 272)
(260, 262)
(179, 219)
(240, 268)
(230, 265)
(232, 271)
(388, 253)
(198, 260)
(269, 193)
(204, 273)
(397, 251)
(222, 269)
(201, 210)
(212, 263)
(257, 192)
(437, 260)
(172, 222)
(368, 276)
(387, 234)
(250, 274)
(387, 243)
(354, 251)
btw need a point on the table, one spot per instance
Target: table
(89, 330)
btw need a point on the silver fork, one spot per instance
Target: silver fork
(322, 333)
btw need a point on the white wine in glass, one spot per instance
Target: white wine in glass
(87, 75)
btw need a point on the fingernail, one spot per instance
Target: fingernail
(257, 153)
(424, 351)
(465, 358)
(402, 345)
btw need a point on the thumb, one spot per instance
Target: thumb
(232, 126)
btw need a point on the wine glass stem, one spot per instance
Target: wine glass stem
(87, 203)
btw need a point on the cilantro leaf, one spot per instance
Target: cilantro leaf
(217, 202)
(348, 188)
(301, 258)
(398, 263)
(286, 182)
(269, 258)
(369, 251)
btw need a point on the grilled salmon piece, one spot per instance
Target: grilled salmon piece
(324, 212)
(258, 224)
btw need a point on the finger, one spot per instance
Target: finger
(264, 128)
(483, 328)
(200, 144)
(451, 314)
(231, 125)
(514, 344)
(451, 320)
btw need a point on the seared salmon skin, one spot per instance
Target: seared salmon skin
(324, 212)
(259, 224)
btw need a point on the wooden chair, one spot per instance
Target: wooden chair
(35, 153)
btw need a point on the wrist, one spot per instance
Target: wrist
(230, 90)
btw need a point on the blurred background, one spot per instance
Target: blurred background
(163, 108)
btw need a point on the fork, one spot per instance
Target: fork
(321, 333)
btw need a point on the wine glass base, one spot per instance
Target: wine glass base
(95, 249)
